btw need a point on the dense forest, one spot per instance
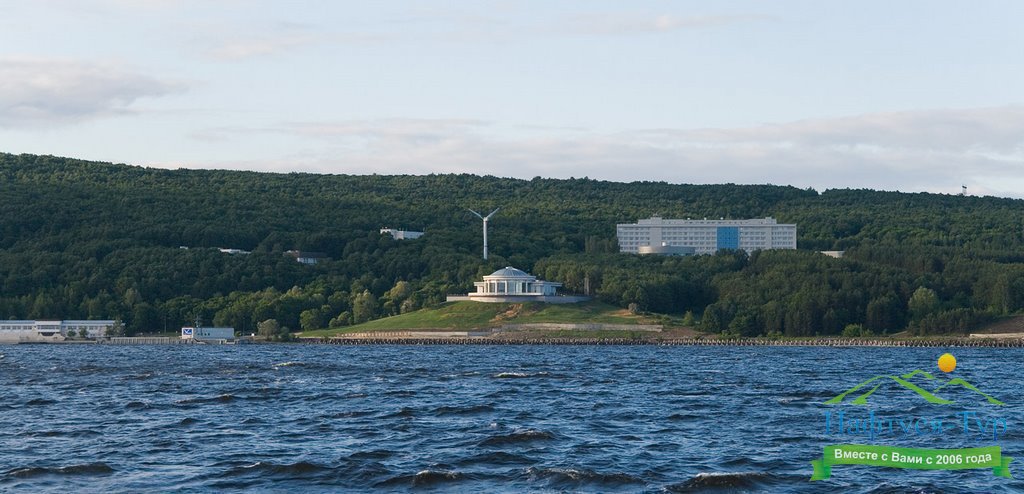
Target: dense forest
(96, 240)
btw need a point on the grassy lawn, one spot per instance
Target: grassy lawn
(462, 316)
(589, 312)
(584, 334)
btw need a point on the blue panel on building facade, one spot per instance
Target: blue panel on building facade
(728, 237)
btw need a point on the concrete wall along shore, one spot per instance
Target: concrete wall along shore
(504, 328)
(830, 342)
(146, 340)
(418, 334)
(163, 340)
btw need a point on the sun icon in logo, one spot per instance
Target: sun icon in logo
(947, 362)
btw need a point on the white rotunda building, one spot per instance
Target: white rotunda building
(514, 285)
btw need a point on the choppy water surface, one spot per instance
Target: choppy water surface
(463, 418)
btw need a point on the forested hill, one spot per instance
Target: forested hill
(95, 240)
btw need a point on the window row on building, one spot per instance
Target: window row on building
(705, 236)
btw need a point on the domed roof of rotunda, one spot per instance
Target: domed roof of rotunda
(510, 272)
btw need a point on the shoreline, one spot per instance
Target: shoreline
(926, 342)
(959, 342)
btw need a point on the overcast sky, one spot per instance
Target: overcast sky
(894, 95)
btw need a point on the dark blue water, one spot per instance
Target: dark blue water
(284, 418)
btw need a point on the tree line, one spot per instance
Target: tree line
(95, 240)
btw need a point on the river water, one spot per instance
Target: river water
(296, 418)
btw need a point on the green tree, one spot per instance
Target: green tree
(116, 329)
(310, 320)
(132, 297)
(268, 329)
(883, 313)
(923, 302)
(856, 330)
(364, 307)
(145, 318)
(343, 319)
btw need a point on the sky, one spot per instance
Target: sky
(908, 95)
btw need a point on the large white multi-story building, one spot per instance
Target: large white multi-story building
(706, 236)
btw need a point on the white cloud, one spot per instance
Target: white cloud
(240, 48)
(233, 43)
(622, 23)
(959, 130)
(42, 92)
(236, 43)
(929, 150)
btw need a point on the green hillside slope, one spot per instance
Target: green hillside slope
(463, 316)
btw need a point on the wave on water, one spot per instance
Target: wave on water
(888, 488)
(683, 417)
(402, 413)
(348, 414)
(96, 468)
(431, 477)
(519, 375)
(566, 478)
(723, 481)
(36, 402)
(467, 410)
(263, 468)
(518, 437)
(288, 364)
(495, 458)
(67, 433)
(259, 473)
(682, 392)
(224, 398)
(425, 478)
(137, 405)
(187, 422)
(377, 454)
(506, 375)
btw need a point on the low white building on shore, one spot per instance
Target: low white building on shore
(208, 334)
(27, 331)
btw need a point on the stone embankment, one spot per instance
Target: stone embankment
(818, 342)
(504, 328)
(144, 340)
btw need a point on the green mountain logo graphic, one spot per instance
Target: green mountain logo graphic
(866, 389)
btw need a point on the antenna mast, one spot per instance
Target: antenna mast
(485, 218)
